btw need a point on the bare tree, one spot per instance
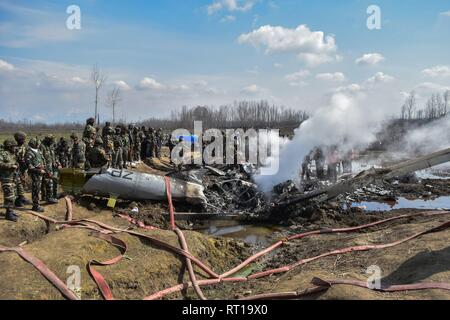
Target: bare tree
(98, 77)
(446, 97)
(112, 100)
(409, 106)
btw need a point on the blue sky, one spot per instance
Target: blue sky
(165, 54)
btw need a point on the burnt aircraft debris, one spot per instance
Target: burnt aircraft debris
(228, 190)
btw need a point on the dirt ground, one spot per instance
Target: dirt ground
(148, 269)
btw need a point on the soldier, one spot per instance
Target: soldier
(306, 172)
(50, 178)
(107, 130)
(125, 146)
(319, 158)
(35, 165)
(131, 143)
(63, 152)
(158, 142)
(21, 150)
(8, 167)
(108, 142)
(97, 157)
(332, 162)
(149, 144)
(78, 153)
(137, 140)
(89, 134)
(117, 162)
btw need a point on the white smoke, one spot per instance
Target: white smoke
(350, 120)
(432, 137)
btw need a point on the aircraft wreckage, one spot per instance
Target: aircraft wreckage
(138, 186)
(129, 185)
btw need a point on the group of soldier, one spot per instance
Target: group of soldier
(333, 159)
(42, 159)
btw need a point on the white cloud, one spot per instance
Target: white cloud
(122, 85)
(228, 18)
(302, 74)
(445, 14)
(380, 77)
(351, 89)
(150, 83)
(437, 71)
(230, 5)
(312, 47)
(278, 65)
(79, 80)
(370, 59)
(431, 87)
(337, 77)
(252, 90)
(5, 66)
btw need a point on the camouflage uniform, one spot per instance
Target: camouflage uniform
(108, 142)
(97, 157)
(118, 150)
(130, 143)
(125, 147)
(63, 152)
(89, 134)
(8, 167)
(137, 136)
(50, 178)
(158, 143)
(149, 144)
(78, 153)
(35, 165)
(21, 150)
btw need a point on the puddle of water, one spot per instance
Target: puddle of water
(403, 203)
(251, 234)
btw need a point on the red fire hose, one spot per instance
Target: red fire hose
(105, 229)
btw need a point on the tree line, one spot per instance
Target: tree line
(437, 106)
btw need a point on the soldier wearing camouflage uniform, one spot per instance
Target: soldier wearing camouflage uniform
(36, 169)
(63, 152)
(78, 153)
(97, 157)
(158, 142)
(108, 142)
(118, 149)
(89, 134)
(21, 150)
(50, 178)
(137, 140)
(125, 146)
(8, 168)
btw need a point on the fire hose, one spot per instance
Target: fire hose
(86, 223)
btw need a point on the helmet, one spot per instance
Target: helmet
(8, 143)
(34, 143)
(20, 136)
(74, 136)
(107, 124)
(90, 121)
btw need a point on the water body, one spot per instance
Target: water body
(251, 234)
(403, 203)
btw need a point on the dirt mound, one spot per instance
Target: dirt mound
(426, 259)
(146, 269)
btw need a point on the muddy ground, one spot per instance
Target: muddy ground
(149, 269)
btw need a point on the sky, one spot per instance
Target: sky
(166, 54)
